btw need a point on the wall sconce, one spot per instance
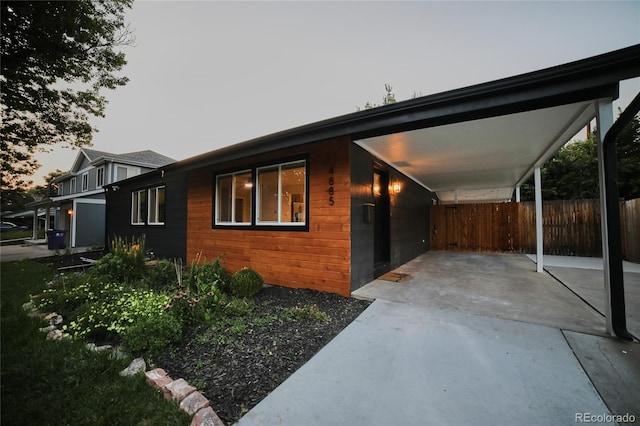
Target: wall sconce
(396, 187)
(70, 212)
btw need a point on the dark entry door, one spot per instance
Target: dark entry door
(381, 237)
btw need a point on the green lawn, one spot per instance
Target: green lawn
(62, 383)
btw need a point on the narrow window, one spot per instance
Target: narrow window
(85, 182)
(156, 205)
(233, 199)
(61, 188)
(139, 207)
(282, 194)
(72, 184)
(100, 177)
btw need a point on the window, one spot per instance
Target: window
(85, 182)
(72, 185)
(156, 206)
(100, 177)
(281, 194)
(123, 172)
(233, 198)
(61, 188)
(148, 206)
(139, 207)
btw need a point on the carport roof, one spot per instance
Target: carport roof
(480, 138)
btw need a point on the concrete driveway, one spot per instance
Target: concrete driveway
(467, 339)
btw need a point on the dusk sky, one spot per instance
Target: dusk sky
(207, 74)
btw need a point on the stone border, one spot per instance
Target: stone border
(188, 398)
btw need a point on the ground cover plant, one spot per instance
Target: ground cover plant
(62, 382)
(229, 335)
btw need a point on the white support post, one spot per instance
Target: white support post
(604, 121)
(539, 236)
(34, 229)
(517, 194)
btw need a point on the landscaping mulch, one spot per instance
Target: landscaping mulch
(237, 362)
(237, 367)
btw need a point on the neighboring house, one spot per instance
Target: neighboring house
(80, 201)
(334, 204)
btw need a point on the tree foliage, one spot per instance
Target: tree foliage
(572, 173)
(57, 56)
(389, 98)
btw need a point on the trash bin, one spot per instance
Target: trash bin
(55, 240)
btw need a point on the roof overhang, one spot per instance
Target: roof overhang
(486, 136)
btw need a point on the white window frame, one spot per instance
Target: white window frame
(100, 174)
(279, 222)
(137, 207)
(72, 183)
(85, 181)
(61, 188)
(156, 207)
(232, 222)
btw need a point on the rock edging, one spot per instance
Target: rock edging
(190, 400)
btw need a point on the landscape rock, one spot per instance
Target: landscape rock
(180, 389)
(57, 335)
(193, 402)
(159, 379)
(206, 417)
(137, 366)
(54, 318)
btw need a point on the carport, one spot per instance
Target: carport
(482, 142)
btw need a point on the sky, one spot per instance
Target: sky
(208, 74)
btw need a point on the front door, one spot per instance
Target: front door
(381, 231)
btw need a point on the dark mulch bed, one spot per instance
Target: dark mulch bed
(235, 369)
(65, 260)
(236, 364)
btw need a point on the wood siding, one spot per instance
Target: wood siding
(318, 258)
(570, 228)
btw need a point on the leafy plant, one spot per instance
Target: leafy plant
(125, 263)
(246, 282)
(161, 275)
(307, 311)
(151, 334)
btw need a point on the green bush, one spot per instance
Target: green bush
(246, 282)
(125, 263)
(162, 275)
(151, 334)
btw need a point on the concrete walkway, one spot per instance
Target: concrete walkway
(9, 253)
(466, 340)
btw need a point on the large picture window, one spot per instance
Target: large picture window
(281, 194)
(266, 196)
(234, 198)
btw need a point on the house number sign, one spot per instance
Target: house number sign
(330, 190)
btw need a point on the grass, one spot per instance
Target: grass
(63, 383)
(12, 235)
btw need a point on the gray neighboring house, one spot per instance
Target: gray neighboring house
(80, 204)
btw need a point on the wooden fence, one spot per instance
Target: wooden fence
(570, 228)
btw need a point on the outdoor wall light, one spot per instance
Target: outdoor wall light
(396, 187)
(70, 212)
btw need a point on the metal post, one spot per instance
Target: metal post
(604, 120)
(539, 237)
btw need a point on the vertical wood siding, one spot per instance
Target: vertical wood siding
(318, 259)
(570, 228)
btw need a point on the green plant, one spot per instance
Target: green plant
(161, 275)
(306, 312)
(152, 333)
(125, 263)
(246, 282)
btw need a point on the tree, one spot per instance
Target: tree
(572, 173)
(57, 56)
(389, 98)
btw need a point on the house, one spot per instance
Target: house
(79, 200)
(333, 204)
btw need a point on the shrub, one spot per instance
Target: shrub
(161, 275)
(151, 334)
(125, 263)
(246, 282)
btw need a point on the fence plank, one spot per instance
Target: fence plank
(570, 228)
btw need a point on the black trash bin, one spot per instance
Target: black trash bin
(55, 239)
